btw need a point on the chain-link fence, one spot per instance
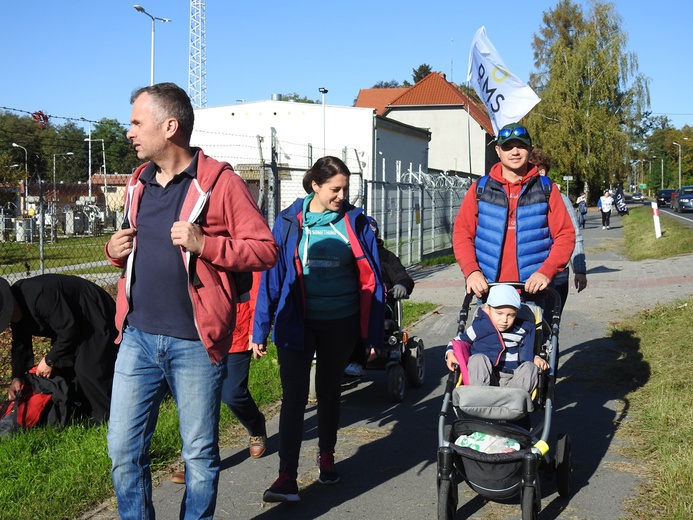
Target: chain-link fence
(64, 229)
(61, 229)
(416, 215)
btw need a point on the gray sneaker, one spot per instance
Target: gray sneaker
(354, 370)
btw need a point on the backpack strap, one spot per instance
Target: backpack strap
(480, 185)
(546, 186)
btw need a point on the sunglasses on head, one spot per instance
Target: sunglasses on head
(515, 132)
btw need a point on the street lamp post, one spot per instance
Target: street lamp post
(54, 212)
(154, 19)
(677, 144)
(105, 182)
(26, 173)
(323, 91)
(635, 174)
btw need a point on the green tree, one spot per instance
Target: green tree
(23, 131)
(11, 175)
(393, 83)
(592, 94)
(66, 138)
(420, 72)
(120, 155)
(471, 93)
(293, 96)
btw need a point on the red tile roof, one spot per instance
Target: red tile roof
(378, 98)
(433, 90)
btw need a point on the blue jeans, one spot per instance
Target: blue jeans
(148, 365)
(235, 393)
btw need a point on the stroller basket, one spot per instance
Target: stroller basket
(497, 476)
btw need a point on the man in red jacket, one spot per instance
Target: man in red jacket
(515, 228)
(190, 223)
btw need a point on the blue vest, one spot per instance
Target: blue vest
(533, 239)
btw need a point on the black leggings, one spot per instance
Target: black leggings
(332, 341)
(606, 218)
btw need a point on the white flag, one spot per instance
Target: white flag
(507, 99)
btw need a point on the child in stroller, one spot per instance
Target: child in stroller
(499, 346)
(500, 413)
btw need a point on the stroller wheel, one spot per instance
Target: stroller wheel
(564, 478)
(395, 382)
(415, 362)
(447, 506)
(530, 510)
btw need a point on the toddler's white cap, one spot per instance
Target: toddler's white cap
(503, 295)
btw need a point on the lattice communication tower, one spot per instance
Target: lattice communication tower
(197, 74)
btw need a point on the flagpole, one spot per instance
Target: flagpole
(469, 132)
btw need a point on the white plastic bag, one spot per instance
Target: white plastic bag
(488, 443)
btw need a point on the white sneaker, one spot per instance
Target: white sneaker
(603, 227)
(607, 227)
(354, 370)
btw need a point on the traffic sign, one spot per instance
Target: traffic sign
(567, 177)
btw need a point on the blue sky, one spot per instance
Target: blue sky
(79, 58)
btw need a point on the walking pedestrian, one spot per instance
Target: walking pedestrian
(322, 296)
(512, 225)
(398, 284)
(605, 204)
(190, 222)
(577, 260)
(582, 210)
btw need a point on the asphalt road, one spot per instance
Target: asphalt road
(386, 452)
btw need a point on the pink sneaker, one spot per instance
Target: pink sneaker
(328, 472)
(284, 489)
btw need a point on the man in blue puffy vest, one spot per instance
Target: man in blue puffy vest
(512, 226)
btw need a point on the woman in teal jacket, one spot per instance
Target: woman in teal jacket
(324, 293)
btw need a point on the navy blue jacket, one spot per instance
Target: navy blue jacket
(490, 342)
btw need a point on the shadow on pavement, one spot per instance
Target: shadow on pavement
(394, 439)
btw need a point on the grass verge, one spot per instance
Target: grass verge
(660, 422)
(639, 236)
(50, 474)
(660, 425)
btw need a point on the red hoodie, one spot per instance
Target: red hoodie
(560, 227)
(237, 238)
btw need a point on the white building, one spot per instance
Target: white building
(296, 134)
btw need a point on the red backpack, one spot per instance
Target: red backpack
(36, 400)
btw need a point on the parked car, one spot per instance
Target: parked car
(664, 197)
(637, 197)
(684, 199)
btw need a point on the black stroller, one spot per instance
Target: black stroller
(499, 411)
(402, 356)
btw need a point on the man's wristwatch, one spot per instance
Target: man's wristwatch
(49, 362)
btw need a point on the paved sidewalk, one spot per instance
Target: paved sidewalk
(386, 452)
